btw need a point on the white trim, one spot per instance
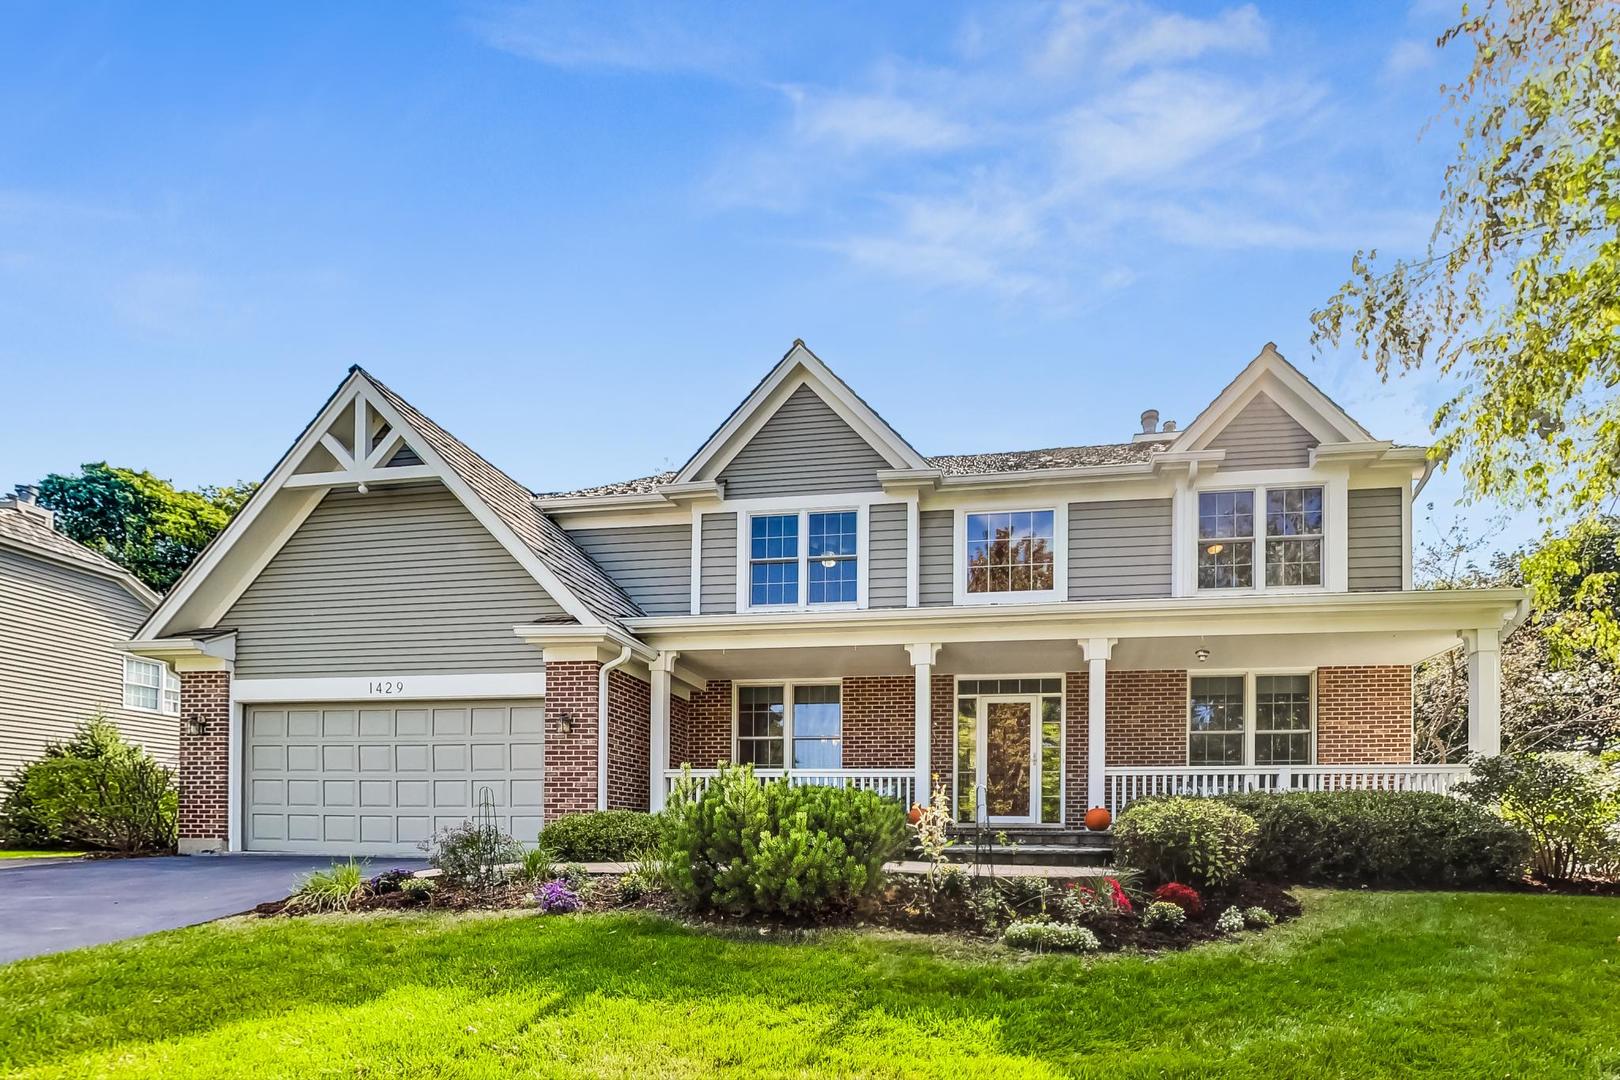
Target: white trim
(1251, 718)
(745, 528)
(1335, 529)
(167, 681)
(1407, 539)
(697, 560)
(235, 769)
(1062, 695)
(913, 551)
(787, 686)
(1060, 556)
(775, 388)
(391, 686)
(1238, 393)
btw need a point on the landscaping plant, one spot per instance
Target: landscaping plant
(1163, 915)
(1184, 897)
(750, 848)
(473, 856)
(334, 889)
(93, 791)
(1231, 921)
(1184, 839)
(1042, 935)
(1569, 804)
(934, 831)
(1259, 918)
(603, 836)
(1380, 838)
(556, 898)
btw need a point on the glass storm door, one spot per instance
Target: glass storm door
(1008, 754)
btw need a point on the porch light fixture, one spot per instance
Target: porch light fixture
(566, 722)
(362, 489)
(196, 725)
(1203, 656)
(1215, 549)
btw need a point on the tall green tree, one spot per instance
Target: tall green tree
(143, 523)
(1517, 298)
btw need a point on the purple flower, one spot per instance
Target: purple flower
(556, 898)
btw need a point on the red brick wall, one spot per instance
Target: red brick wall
(571, 756)
(1147, 718)
(1076, 713)
(880, 721)
(1363, 715)
(680, 731)
(942, 729)
(629, 741)
(709, 731)
(204, 774)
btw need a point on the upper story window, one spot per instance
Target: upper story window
(150, 685)
(1292, 536)
(1011, 552)
(1249, 720)
(825, 567)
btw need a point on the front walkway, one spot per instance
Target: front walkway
(61, 905)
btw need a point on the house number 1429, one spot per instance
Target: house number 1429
(387, 686)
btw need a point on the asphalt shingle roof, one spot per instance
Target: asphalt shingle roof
(513, 504)
(28, 529)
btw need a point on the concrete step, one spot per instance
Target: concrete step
(1074, 838)
(1033, 855)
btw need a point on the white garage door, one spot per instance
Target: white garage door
(358, 779)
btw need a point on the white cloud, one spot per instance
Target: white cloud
(1408, 56)
(852, 122)
(638, 38)
(1120, 37)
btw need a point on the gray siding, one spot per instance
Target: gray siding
(1264, 436)
(886, 546)
(1119, 549)
(397, 582)
(934, 581)
(718, 594)
(804, 448)
(60, 661)
(1376, 543)
(652, 563)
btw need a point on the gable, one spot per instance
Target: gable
(401, 580)
(804, 448)
(1264, 436)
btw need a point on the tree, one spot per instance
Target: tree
(144, 524)
(1517, 298)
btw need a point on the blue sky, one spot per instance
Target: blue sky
(576, 235)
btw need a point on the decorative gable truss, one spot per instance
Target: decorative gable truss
(360, 446)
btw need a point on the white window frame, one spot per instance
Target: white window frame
(788, 686)
(167, 685)
(1060, 555)
(745, 552)
(1332, 525)
(1251, 708)
(979, 741)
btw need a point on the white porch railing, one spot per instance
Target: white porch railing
(897, 784)
(1123, 785)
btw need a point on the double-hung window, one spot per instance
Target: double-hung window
(1011, 552)
(1289, 533)
(823, 569)
(1250, 719)
(787, 723)
(150, 685)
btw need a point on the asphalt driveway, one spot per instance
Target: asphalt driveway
(65, 905)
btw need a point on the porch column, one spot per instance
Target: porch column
(1097, 652)
(922, 666)
(1484, 690)
(658, 757)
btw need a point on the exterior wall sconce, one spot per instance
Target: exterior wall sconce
(566, 722)
(196, 725)
(1203, 655)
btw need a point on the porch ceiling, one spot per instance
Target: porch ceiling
(1053, 656)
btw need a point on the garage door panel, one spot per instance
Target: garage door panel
(364, 780)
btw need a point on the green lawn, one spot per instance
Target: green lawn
(12, 853)
(1448, 984)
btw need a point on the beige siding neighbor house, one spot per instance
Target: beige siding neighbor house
(65, 614)
(394, 630)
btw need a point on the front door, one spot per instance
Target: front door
(1009, 756)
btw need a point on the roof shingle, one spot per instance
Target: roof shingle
(29, 529)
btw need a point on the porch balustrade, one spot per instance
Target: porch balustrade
(897, 784)
(1123, 785)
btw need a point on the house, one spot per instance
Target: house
(65, 614)
(394, 630)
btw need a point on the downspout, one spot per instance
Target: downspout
(602, 727)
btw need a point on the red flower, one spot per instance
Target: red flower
(1117, 892)
(1184, 897)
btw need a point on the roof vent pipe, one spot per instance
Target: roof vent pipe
(1169, 425)
(28, 493)
(1150, 421)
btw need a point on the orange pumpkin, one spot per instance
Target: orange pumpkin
(916, 813)
(1098, 818)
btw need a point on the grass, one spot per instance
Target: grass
(15, 853)
(1366, 984)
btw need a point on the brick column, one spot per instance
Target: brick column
(629, 741)
(1364, 715)
(205, 762)
(571, 754)
(942, 736)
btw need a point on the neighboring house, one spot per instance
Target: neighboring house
(65, 614)
(394, 627)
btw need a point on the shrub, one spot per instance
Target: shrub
(634, 886)
(93, 791)
(391, 880)
(604, 836)
(556, 898)
(1569, 804)
(1184, 839)
(1184, 897)
(1230, 921)
(746, 847)
(575, 876)
(334, 889)
(1041, 935)
(535, 866)
(418, 887)
(473, 855)
(1076, 903)
(1380, 838)
(1163, 915)
(1259, 918)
